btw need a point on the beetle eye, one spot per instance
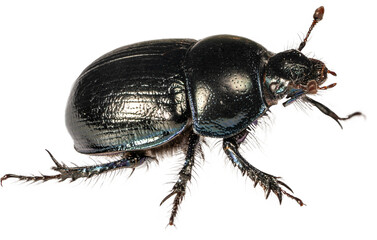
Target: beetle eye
(277, 86)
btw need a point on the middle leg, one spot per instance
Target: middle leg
(179, 188)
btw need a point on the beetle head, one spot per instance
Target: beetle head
(290, 72)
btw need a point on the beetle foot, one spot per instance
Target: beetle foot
(179, 190)
(266, 181)
(42, 178)
(271, 183)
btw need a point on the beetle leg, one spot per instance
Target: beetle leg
(266, 181)
(130, 161)
(179, 188)
(329, 112)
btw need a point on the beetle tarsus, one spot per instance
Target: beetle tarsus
(299, 201)
(132, 160)
(179, 188)
(266, 181)
(42, 178)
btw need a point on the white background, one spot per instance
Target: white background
(44, 46)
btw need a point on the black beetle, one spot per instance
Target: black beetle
(151, 96)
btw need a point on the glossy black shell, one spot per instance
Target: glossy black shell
(143, 95)
(224, 84)
(130, 99)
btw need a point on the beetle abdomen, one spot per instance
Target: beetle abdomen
(132, 98)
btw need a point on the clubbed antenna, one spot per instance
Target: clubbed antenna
(318, 15)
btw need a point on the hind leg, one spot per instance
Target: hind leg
(131, 160)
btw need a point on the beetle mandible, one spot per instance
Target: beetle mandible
(147, 97)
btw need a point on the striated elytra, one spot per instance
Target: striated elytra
(149, 97)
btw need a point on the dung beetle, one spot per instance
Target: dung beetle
(145, 98)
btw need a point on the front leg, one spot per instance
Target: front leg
(267, 182)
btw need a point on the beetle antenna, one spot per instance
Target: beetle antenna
(318, 15)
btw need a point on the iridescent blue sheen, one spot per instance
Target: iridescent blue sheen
(224, 75)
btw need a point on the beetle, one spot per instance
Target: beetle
(145, 98)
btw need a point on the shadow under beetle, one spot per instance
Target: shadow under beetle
(151, 96)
